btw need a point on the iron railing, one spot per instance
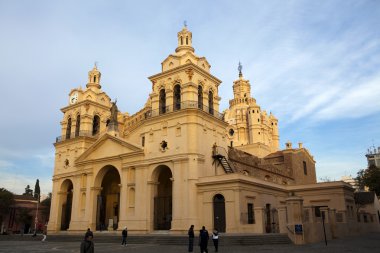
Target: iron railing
(181, 106)
(75, 135)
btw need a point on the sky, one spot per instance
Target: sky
(314, 64)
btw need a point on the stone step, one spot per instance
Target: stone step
(224, 239)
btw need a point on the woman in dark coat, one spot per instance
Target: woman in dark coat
(203, 239)
(87, 246)
(191, 238)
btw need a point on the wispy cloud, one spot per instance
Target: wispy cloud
(355, 102)
(5, 164)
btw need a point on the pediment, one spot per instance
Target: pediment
(109, 146)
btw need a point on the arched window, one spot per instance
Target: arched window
(200, 97)
(162, 102)
(177, 97)
(68, 129)
(187, 41)
(94, 79)
(211, 102)
(95, 125)
(77, 126)
(181, 41)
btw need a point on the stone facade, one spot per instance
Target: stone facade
(178, 161)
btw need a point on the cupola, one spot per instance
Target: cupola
(94, 78)
(184, 40)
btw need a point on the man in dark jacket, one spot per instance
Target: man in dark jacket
(124, 235)
(87, 246)
(203, 239)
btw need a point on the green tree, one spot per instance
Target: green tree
(37, 190)
(6, 201)
(369, 177)
(28, 191)
(45, 206)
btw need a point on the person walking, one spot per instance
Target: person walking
(124, 235)
(89, 232)
(87, 245)
(191, 238)
(215, 239)
(203, 239)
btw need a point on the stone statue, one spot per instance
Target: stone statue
(114, 112)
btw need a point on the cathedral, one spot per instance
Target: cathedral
(181, 161)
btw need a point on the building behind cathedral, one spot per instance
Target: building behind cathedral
(180, 161)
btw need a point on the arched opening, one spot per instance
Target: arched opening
(68, 129)
(211, 102)
(219, 213)
(177, 97)
(200, 97)
(94, 79)
(95, 125)
(108, 200)
(181, 41)
(67, 201)
(162, 103)
(77, 126)
(163, 199)
(187, 41)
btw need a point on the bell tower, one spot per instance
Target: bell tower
(184, 40)
(94, 78)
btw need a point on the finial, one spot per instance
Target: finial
(185, 23)
(96, 64)
(240, 69)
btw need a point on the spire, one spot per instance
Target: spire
(240, 67)
(94, 77)
(184, 39)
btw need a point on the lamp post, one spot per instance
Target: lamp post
(36, 219)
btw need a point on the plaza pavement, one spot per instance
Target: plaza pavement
(364, 244)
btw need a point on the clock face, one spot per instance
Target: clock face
(74, 98)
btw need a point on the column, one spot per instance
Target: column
(95, 191)
(178, 205)
(122, 222)
(282, 219)
(294, 207)
(260, 219)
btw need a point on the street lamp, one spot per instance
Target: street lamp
(36, 219)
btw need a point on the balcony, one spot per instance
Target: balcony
(182, 106)
(75, 135)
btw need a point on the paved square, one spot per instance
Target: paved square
(364, 244)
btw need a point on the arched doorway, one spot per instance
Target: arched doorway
(67, 191)
(108, 200)
(163, 199)
(219, 213)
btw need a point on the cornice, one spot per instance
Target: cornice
(83, 103)
(183, 67)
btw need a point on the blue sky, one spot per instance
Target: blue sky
(314, 64)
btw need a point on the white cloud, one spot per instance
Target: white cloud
(16, 182)
(356, 102)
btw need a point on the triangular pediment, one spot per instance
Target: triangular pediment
(109, 146)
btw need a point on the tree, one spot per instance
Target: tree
(45, 206)
(369, 177)
(6, 201)
(37, 191)
(28, 191)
